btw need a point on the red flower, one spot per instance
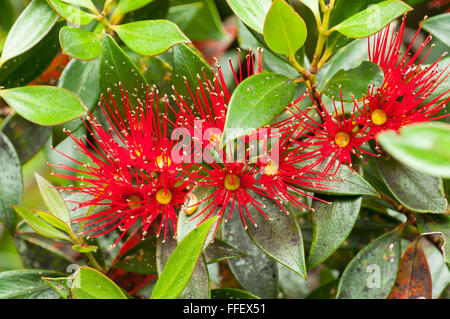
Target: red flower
(404, 96)
(131, 172)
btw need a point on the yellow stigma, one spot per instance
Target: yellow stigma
(164, 196)
(161, 161)
(215, 138)
(342, 139)
(134, 201)
(232, 182)
(191, 207)
(271, 168)
(378, 117)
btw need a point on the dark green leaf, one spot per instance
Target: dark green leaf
(252, 13)
(141, 259)
(257, 272)
(436, 224)
(27, 284)
(332, 223)
(44, 105)
(10, 183)
(439, 26)
(425, 148)
(221, 250)
(284, 30)
(157, 9)
(29, 29)
(7, 15)
(231, 293)
(79, 43)
(291, 284)
(371, 274)
(88, 283)
(343, 81)
(417, 191)
(256, 102)
(313, 5)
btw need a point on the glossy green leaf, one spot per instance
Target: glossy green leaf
(425, 148)
(417, 191)
(332, 224)
(231, 293)
(117, 68)
(88, 283)
(278, 235)
(439, 26)
(27, 284)
(255, 102)
(28, 138)
(291, 284)
(284, 30)
(84, 248)
(436, 224)
(252, 13)
(257, 272)
(367, 73)
(125, 6)
(88, 4)
(141, 259)
(39, 225)
(54, 221)
(372, 19)
(60, 286)
(157, 9)
(371, 274)
(150, 37)
(53, 199)
(30, 28)
(70, 13)
(346, 182)
(221, 250)
(180, 265)
(10, 183)
(44, 105)
(79, 43)
(313, 5)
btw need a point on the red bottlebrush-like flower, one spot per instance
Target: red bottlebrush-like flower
(132, 173)
(404, 96)
(330, 137)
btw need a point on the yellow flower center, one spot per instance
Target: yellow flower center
(232, 182)
(342, 139)
(134, 201)
(164, 196)
(271, 168)
(192, 205)
(161, 161)
(378, 117)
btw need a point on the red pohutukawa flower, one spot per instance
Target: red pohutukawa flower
(132, 171)
(404, 96)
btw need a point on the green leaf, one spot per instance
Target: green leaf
(371, 274)
(26, 67)
(79, 43)
(439, 26)
(44, 105)
(284, 30)
(373, 19)
(157, 9)
(116, 67)
(313, 5)
(332, 224)
(346, 182)
(30, 28)
(231, 293)
(126, 6)
(343, 81)
(27, 284)
(10, 183)
(256, 102)
(7, 15)
(52, 199)
(424, 147)
(141, 259)
(150, 37)
(39, 225)
(82, 3)
(291, 284)
(71, 14)
(60, 286)
(221, 250)
(54, 221)
(252, 13)
(417, 191)
(279, 237)
(180, 265)
(257, 272)
(436, 224)
(28, 138)
(84, 249)
(88, 283)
